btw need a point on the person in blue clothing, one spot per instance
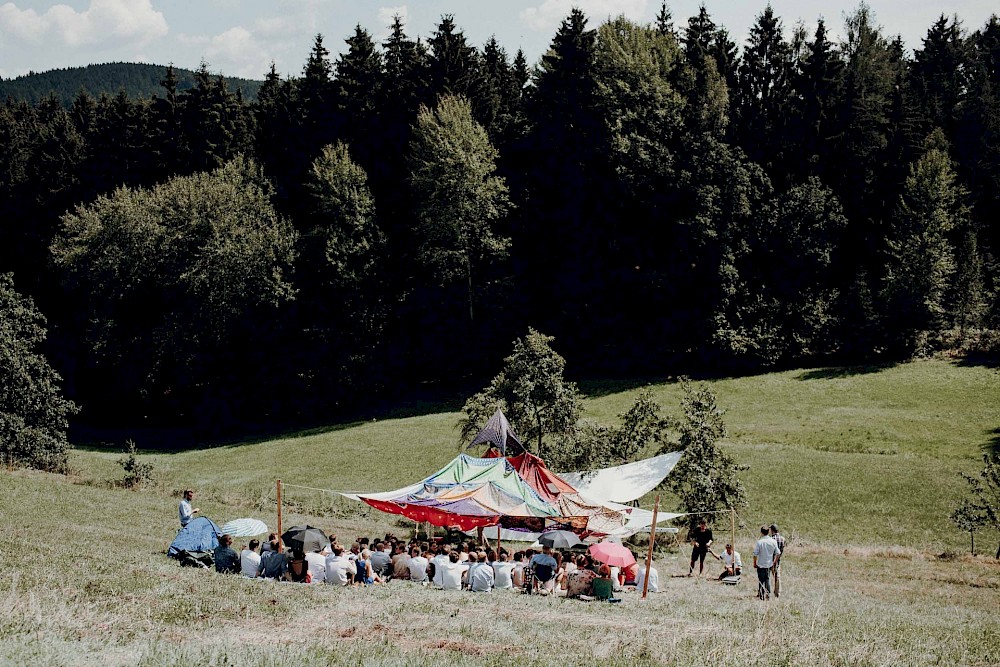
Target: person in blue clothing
(226, 558)
(544, 567)
(364, 574)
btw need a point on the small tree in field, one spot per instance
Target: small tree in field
(137, 473)
(969, 518)
(705, 478)
(981, 508)
(532, 393)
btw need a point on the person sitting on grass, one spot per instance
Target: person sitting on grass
(274, 562)
(450, 574)
(732, 561)
(317, 565)
(363, 573)
(250, 559)
(640, 579)
(226, 558)
(503, 570)
(417, 566)
(543, 567)
(400, 562)
(480, 576)
(298, 569)
(340, 570)
(580, 581)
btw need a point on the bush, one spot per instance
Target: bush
(34, 417)
(137, 473)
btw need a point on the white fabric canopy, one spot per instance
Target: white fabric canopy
(625, 483)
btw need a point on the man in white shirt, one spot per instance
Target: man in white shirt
(340, 570)
(451, 573)
(417, 566)
(503, 572)
(439, 561)
(250, 559)
(317, 566)
(184, 510)
(732, 562)
(654, 579)
(765, 553)
(480, 576)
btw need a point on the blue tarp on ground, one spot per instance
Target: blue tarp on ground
(200, 535)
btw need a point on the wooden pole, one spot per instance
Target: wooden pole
(279, 509)
(649, 554)
(732, 526)
(500, 546)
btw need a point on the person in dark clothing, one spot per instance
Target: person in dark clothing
(226, 558)
(701, 539)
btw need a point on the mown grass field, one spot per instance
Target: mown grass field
(859, 466)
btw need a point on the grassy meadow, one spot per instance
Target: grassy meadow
(859, 467)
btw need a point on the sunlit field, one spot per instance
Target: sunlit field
(858, 466)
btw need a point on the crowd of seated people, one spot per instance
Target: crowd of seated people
(457, 566)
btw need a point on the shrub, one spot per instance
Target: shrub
(137, 473)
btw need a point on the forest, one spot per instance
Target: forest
(657, 198)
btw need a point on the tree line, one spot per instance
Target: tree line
(656, 197)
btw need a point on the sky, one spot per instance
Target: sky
(243, 37)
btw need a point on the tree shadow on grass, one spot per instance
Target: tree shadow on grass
(992, 446)
(837, 372)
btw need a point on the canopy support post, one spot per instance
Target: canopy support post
(732, 527)
(649, 554)
(279, 509)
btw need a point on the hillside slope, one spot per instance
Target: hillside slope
(136, 79)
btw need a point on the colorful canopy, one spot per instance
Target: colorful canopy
(468, 493)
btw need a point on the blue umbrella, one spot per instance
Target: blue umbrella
(244, 528)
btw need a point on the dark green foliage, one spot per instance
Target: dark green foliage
(136, 80)
(178, 284)
(652, 195)
(981, 508)
(541, 405)
(136, 473)
(34, 416)
(705, 479)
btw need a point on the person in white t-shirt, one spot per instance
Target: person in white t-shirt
(503, 571)
(317, 566)
(417, 566)
(340, 570)
(654, 579)
(439, 561)
(250, 559)
(732, 561)
(452, 573)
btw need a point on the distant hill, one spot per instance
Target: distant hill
(138, 80)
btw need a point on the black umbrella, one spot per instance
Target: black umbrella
(559, 539)
(305, 538)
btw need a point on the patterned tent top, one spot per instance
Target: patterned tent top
(468, 493)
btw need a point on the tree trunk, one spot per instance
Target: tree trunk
(998, 552)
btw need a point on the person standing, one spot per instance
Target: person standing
(701, 538)
(765, 554)
(779, 539)
(184, 510)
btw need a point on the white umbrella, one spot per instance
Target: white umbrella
(244, 528)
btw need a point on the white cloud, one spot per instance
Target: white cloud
(109, 23)
(550, 13)
(234, 52)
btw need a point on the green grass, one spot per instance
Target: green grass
(860, 468)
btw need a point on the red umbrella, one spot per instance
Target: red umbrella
(611, 553)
